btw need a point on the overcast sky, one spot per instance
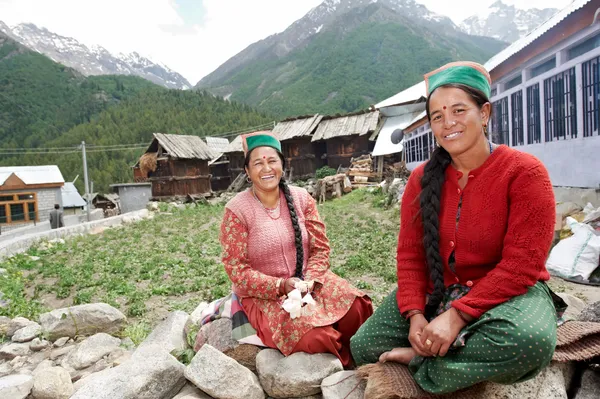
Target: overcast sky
(193, 37)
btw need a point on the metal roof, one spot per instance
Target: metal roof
(71, 197)
(534, 34)
(45, 174)
(299, 127)
(347, 125)
(412, 94)
(384, 145)
(217, 144)
(235, 145)
(183, 146)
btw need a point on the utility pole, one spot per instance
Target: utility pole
(85, 181)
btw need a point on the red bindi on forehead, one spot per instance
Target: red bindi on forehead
(444, 107)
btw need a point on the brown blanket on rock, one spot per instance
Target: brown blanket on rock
(576, 341)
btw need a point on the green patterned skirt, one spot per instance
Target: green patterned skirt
(510, 343)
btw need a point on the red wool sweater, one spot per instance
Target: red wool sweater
(503, 237)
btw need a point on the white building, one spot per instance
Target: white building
(545, 97)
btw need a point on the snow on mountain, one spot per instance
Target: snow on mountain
(93, 60)
(505, 22)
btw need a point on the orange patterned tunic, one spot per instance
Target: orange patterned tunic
(259, 248)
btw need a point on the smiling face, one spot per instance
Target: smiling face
(456, 119)
(264, 168)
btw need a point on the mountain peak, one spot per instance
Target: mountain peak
(93, 60)
(506, 22)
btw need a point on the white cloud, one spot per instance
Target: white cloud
(155, 29)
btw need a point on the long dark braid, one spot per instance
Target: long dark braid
(293, 215)
(432, 183)
(297, 232)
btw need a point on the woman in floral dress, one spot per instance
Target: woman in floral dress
(272, 238)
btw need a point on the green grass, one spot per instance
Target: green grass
(172, 262)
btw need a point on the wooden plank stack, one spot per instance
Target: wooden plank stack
(361, 170)
(332, 186)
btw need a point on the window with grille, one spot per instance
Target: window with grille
(534, 128)
(500, 121)
(591, 97)
(17, 208)
(545, 67)
(516, 104)
(561, 109)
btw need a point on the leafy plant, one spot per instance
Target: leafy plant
(325, 171)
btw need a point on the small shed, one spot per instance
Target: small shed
(347, 136)
(176, 165)
(219, 164)
(235, 154)
(109, 203)
(133, 196)
(303, 156)
(72, 201)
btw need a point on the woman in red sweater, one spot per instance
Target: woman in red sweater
(477, 222)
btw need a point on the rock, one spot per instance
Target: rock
(197, 313)
(52, 383)
(207, 371)
(125, 356)
(343, 385)
(219, 335)
(5, 368)
(38, 344)
(16, 386)
(591, 313)
(91, 350)
(82, 320)
(18, 363)
(43, 365)
(189, 391)
(575, 306)
(16, 324)
(169, 334)
(551, 383)
(100, 365)
(299, 374)
(127, 343)
(153, 374)
(58, 352)
(4, 323)
(245, 354)
(590, 385)
(10, 351)
(61, 342)
(27, 333)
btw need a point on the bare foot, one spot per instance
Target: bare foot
(398, 355)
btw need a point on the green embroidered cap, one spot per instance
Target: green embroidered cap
(470, 74)
(260, 139)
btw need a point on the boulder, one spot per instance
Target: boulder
(299, 374)
(38, 344)
(27, 333)
(100, 365)
(591, 313)
(5, 368)
(52, 383)
(4, 323)
(343, 385)
(16, 324)
(169, 334)
(91, 350)
(62, 351)
(590, 385)
(575, 306)
(189, 391)
(16, 386)
(82, 320)
(222, 377)
(219, 335)
(245, 354)
(151, 374)
(61, 342)
(10, 351)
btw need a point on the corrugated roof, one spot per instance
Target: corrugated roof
(183, 146)
(347, 125)
(235, 145)
(412, 94)
(217, 144)
(534, 34)
(45, 174)
(71, 197)
(299, 127)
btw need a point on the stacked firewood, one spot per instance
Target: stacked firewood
(362, 164)
(332, 186)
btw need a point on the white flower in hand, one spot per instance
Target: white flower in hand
(293, 303)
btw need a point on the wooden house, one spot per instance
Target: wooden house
(176, 165)
(303, 156)
(346, 136)
(235, 155)
(219, 164)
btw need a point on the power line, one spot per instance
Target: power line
(73, 151)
